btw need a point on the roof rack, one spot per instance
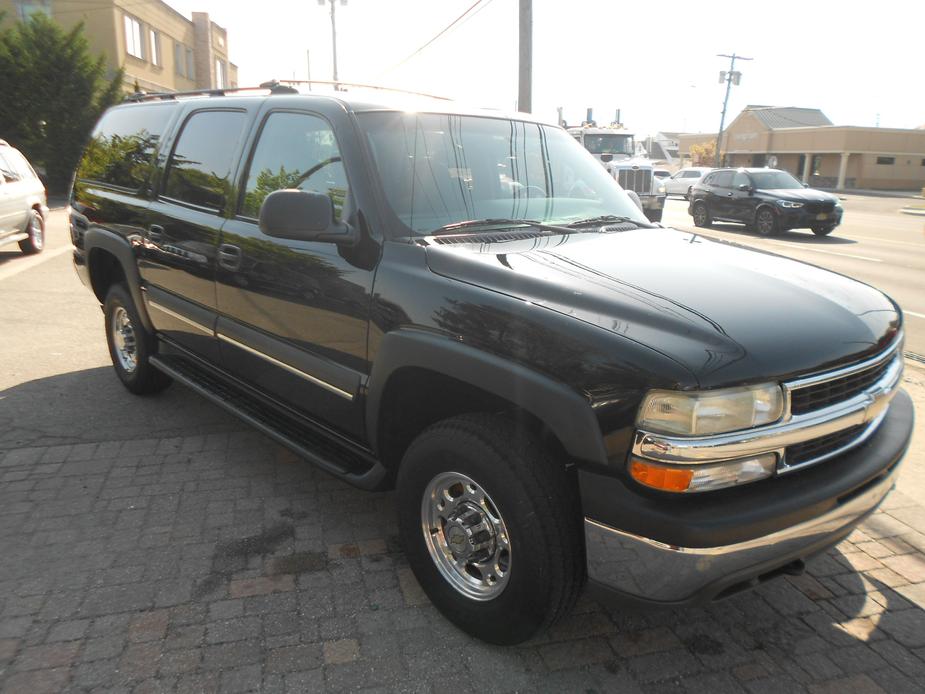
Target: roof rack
(274, 87)
(339, 83)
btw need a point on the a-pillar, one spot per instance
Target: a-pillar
(807, 167)
(842, 170)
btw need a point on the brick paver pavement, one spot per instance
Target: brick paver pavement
(221, 562)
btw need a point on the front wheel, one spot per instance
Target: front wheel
(130, 344)
(491, 526)
(701, 215)
(36, 230)
(823, 230)
(766, 222)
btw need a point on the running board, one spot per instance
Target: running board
(22, 236)
(352, 466)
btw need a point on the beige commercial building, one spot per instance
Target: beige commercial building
(804, 142)
(158, 48)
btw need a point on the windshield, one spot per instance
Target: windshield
(774, 180)
(438, 169)
(609, 144)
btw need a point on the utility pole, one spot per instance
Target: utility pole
(525, 80)
(333, 4)
(730, 77)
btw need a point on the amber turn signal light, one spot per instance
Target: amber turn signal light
(659, 477)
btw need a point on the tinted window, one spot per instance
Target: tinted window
(723, 179)
(774, 180)
(200, 166)
(7, 170)
(740, 179)
(121, 149)
(886, 160)
(295, 150)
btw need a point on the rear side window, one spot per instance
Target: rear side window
(199, 171)
(295, 150)
(121, 149)
(692, 174)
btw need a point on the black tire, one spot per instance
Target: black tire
(823, 230)
(654, 215)
(766, 222)
(701, 215)
(35, 226)
(142, 378)
(535, 497)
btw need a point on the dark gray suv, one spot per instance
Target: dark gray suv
(23, 204)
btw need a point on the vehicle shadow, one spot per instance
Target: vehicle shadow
(804, 236)
(10, 252)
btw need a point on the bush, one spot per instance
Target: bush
(54, 90)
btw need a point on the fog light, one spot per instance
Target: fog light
(702, 478)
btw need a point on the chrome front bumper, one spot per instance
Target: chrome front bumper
(641, 568)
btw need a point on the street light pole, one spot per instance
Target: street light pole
(730, 76)
(525, 77)
(333, 30)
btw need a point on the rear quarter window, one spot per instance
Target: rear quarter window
(121, 149)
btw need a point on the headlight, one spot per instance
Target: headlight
(661, 189)
(789, 204)
(710, 411)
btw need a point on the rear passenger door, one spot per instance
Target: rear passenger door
(720, 190)
(184, 222)
(293, 315)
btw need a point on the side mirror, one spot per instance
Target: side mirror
(745, 187)
(300, 215)
(634, 196)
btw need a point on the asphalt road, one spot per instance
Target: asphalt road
(875, 243)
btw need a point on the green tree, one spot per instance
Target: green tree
(54, 90)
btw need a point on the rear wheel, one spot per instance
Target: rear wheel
(36, 230)
(491, 526)
(130, 344)
(701, 215)
(766, 222)
(823, 230)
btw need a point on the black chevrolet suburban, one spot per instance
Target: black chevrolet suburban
(464, 306)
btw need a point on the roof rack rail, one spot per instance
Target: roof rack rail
(340, 83)
(164, 96)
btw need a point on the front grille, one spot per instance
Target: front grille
(638, 180)
(820, 395)
(816, 207)
(816, 449)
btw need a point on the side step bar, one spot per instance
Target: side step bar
(352, 466)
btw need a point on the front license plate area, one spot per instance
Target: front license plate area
(822, 215)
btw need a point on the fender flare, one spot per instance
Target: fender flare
(567, 414)
(103, 239)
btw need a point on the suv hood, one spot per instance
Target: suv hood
(728, 313)
(800, 194)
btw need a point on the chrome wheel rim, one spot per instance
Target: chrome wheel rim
(123, 339)
(765, 223)
(466, 536)
(36, 232)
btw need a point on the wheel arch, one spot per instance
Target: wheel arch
(419, 378)
(109, 260)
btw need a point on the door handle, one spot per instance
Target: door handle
(156, 233)
(229, 257)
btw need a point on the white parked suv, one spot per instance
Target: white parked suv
(23, 204)
(681, 182)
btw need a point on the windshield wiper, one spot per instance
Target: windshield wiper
(605, 219)
(500, 221)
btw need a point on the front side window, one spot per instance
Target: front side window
(295, 150)
(200, 167)
(439, 169)
(134, 37)
(122, 146)
(740, 179)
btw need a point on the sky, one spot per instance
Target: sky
(861, 63)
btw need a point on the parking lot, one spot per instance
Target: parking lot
(156, 544)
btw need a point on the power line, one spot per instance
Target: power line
(439, 34)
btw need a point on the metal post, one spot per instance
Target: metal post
(722, 119)
(525, 81)
(334, 38)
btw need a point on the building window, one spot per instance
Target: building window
(27, 9)
(815, 167)
(134, 38)
(190, 64)
(923, 162)
(220, 74)
(886, 160)
(179, 59)
(155, 48)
